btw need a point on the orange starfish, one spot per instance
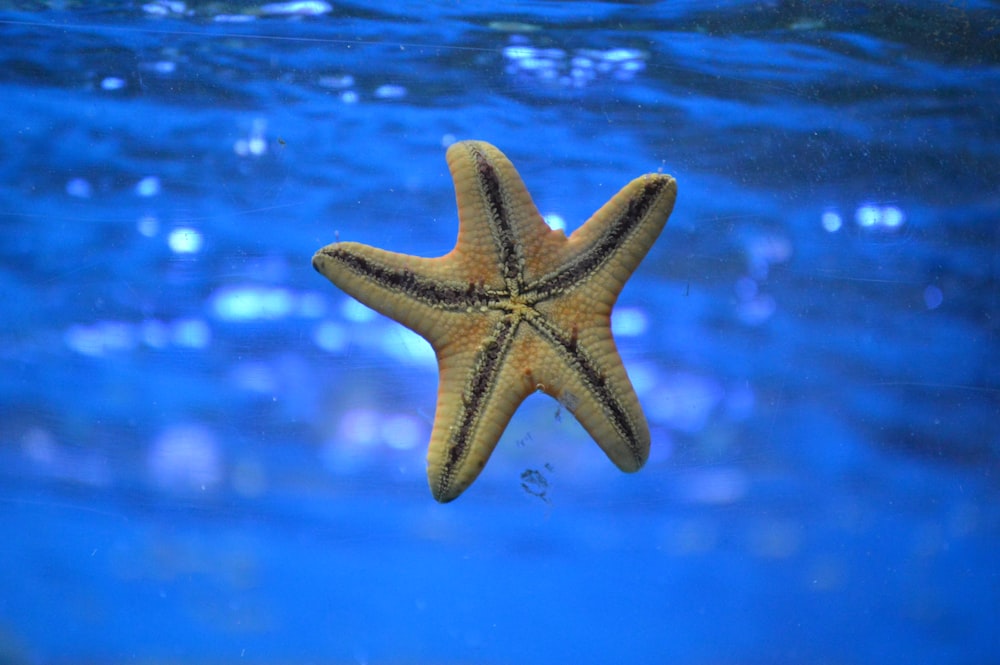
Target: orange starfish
(514, 308)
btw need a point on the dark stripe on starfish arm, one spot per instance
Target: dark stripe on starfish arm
(616, 234)
(507, 246)
(482, 381)
(594, 381)
(428, 292)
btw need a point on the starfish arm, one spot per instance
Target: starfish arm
(480, 389)
(497, 218)
(418, 292)
(607, 249)
(584, 372)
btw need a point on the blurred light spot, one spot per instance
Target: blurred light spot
(627, 69)
(191, 333)
(349, 97)
(80, 464)
(555, 222)
(112, 83)
(401, 432)
(148, 225)
(299, 8)
(866, 216)
(757, 310)
(184, 240)
(405, 345)
(165, 7)
(100, 338)
(359, 427)
(255, 144)
(771, 248)
(831, 221)
(252, 146)
(546, 66)
(513, 26)
(684, 401)
(148, 186)
(164, 67)
(546, 61)
(892, 217)
(184, 458)
(719, 486)
(330, 337)
(622, 55)
(355, 312)
(629, 321)
(876, 217)
(39, 445)
(155, 8)
(765, 251)
(79, 188)
(575, 70)
(518, 52)
(234, 18)
(389, 91)
(154, 333)
(255, 377)
(245, 303)
(337, 82)
(933, 297)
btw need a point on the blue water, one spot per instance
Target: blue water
(209, 454)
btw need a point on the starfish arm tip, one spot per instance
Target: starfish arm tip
(317, 262)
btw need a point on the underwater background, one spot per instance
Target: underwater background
(209, 454)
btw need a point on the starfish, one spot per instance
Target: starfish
(515, 308)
